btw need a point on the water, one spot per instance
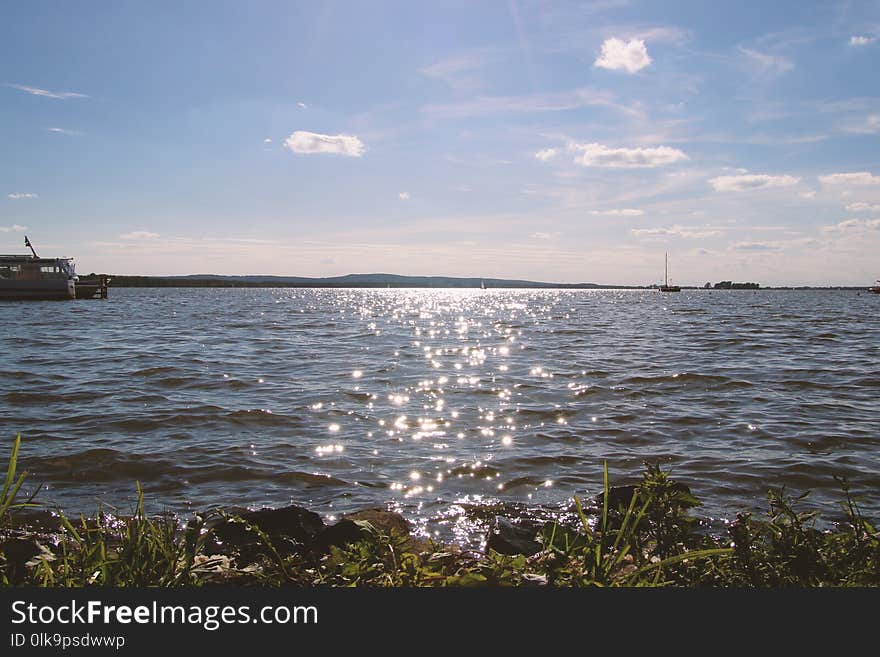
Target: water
(426, 401)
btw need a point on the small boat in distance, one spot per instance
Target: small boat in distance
(30, 277)
(666, 287)
(876, 287)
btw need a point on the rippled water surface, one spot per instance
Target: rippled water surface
(426, 400)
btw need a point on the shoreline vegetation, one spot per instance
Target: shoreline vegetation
(348, 281)
(397, 281)
(636, 535)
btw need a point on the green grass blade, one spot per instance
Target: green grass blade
(7, 502)
(600, 546)
(10, 470)
(626, 518)
(697, 554)
(583, 516)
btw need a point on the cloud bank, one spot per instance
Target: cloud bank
(863, 207)
(857, 178)
(618, 212)
(599, 155)
(310, 143)
(139, 235)
(857, 40)
(751, 182)
(685, 232)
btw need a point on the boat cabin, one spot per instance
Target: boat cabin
(31, 277)
(28, 268)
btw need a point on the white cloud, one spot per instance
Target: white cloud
(867, 126)
(858, 178)
(461, 72)
(302, 105)
(863, 207)
(766, 64)
(267, 141)
(546, 154)
(308, 143)
(62, 95)
(618, 212)
(64, 131)
(539, 102)
(656, 34)
(861, 40)
(139, 235)
(14, 228)
(853, 224)
(21, 195)
(599, 155)
(751, 182)
(756, 246)
(686, 232)
(618, 55)
(403, 196)
(544, 236)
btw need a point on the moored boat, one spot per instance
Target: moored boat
(876, 287)
(30, 277)
(666, 287)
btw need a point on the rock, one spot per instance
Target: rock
(386, 522)
(342, 533)
(618, 497)
(288, 528)
(17, 552)
(350, 529)
(507, 538)
(293, 521)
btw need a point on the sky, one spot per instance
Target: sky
(553, 141)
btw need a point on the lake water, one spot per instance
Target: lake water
(426, 401)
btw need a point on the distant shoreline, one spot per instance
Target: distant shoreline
(394, 281)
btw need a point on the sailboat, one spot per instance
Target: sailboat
(666, 287)
(876, 288)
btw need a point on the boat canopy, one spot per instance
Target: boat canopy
(47, 265)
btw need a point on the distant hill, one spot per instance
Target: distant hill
(350, 280)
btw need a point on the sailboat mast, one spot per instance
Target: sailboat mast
(666, 274)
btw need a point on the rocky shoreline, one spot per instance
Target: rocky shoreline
(244, 537)
(634, 535)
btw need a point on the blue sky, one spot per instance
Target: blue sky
(556, 141)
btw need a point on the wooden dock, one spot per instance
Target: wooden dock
(92, 288)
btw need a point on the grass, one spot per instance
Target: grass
(12, 486)
(626, 551)
(651, 540)
(133, 551)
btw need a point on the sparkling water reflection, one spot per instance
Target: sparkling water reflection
(434, 400)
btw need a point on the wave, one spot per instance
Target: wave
(731, 394)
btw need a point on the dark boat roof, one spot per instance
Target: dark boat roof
(26, 259)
